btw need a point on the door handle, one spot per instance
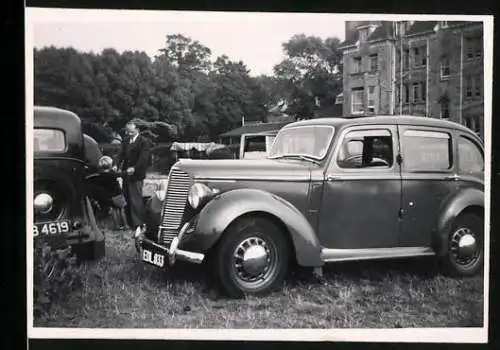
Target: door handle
(454, 177)
(332, 178)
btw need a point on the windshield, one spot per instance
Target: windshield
(309, 141)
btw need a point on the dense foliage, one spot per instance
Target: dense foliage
(182, 94)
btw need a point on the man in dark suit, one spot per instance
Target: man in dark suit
(134, 161)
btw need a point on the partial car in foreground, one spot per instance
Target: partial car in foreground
(63, 158)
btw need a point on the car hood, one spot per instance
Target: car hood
(246, 169)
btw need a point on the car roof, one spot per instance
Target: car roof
(60, 112)
(382, 119)
(53, 117)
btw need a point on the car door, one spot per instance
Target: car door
(429, 176)
(362, 190)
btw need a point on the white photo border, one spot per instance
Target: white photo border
(425, 335)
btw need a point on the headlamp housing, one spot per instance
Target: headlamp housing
(199, 194)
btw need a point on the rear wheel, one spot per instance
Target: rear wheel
(251, 257)
(465, 254)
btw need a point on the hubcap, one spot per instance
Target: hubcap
(464, 247)
(254, 261)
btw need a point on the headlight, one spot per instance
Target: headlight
(198, 193)
(43, 203)
(161, 192)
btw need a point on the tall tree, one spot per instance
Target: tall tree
(311, 72)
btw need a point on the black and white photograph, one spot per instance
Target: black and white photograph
(258, 176)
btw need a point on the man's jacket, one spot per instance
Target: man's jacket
(136, 155)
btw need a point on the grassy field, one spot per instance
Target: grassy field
(120, 291)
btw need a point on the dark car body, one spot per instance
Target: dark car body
(414, 181)
(63, 158)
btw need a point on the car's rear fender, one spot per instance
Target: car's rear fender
(469, 199)
(227, 207)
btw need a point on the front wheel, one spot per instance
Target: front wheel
(251, 258)
(465, 253)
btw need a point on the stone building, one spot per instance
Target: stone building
(436, 68)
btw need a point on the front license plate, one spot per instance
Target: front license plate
(153, 257)
(55, 228)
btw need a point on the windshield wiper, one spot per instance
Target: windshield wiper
(300, 156)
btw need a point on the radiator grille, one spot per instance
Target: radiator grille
(174, 205)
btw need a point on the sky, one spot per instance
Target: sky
(254, 38)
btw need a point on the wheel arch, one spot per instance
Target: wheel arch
(217, 216)
(466, 201)
(272, 218)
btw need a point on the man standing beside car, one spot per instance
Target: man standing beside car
(134, 161)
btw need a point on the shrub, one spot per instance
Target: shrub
(163, 158)
(56, 273)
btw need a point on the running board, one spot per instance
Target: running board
(331, 255)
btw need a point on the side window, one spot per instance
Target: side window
(470, 157)
(366, 149)
(426, 150)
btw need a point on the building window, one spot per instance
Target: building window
(472, 86)
(468, 86)
(357, 100)
(406, 59)
(423, 88)
(474, 47)
(373, 63)
(371, 98)
(445, 110)
(472, 122)
(445, 68)
(419, 58)
(419, 92)
(339, 99)
(477, 84)
(407, 93)
(356, 65)
(416, 92)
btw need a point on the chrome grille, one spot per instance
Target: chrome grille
(174, 205)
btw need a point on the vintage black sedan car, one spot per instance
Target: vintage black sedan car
(63, 158)
(331, 190)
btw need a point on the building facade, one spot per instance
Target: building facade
(424, 68)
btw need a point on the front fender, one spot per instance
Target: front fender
(219, 213)
(450, 210)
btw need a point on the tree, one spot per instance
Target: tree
(186, 54)
(238, 94)
(311, 71)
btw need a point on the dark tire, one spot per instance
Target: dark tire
(251, 236)
(464, 262)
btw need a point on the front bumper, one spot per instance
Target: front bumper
(159, 255)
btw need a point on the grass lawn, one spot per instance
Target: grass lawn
(120, 291)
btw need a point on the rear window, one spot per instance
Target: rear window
(48, 140)
(470, 156)
(427, 150)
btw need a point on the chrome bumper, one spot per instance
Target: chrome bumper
(172, 253)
